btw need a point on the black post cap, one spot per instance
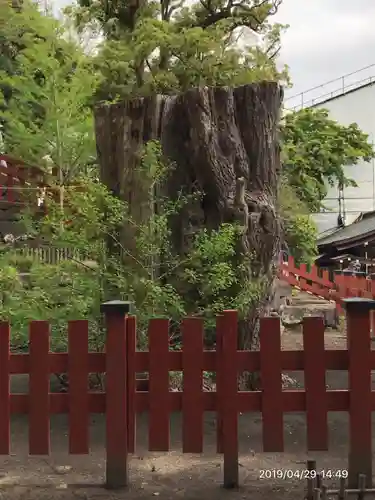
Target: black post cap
(360, 304)
(115, 307)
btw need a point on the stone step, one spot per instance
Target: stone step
(314, 301)
(294, 314)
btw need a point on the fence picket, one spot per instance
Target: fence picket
(325, 277)
(159, 401)
(116, 401)
(315, 384)
(10, 191)
(302, 281)
(219, 375)
(78, 337)
(227, 390)
(315, 288)
(131, 344)
(192, 396)
(360, 435)
(272, 397)
(39, 410)
(4, 388)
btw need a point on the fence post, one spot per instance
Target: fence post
(359, 346)
(227, 389)
(115, 313)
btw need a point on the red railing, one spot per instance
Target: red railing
(122, 400)
(19, 181)
(318, 283)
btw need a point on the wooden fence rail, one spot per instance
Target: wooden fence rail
(122, 401)
(50, 255)
(316, 490)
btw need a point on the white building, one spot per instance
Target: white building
(349, 99)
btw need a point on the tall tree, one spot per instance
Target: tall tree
(47, 93)
(316, 150)
(222, 142)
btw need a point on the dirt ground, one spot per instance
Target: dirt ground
(175, 475)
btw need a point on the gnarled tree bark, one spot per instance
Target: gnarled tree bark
(223, 142)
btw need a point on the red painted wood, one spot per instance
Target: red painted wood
(159, 396)
(270, 372)
(325, 277)
(338, 278)
(360, 436)
(315, 288)
(289, 278)
(10, 191)
(315, 359)
(39, 421)
(303, 269)
(294, 271)
(20, 167)
(18, 175)
(293, 401)
(291, 360)
(220, 327)
(227, 389)
(363, 283)
(116, 400)
(4, 388)
(304, 285)
(22, 195)
(344, 286)
(192, 397)
(79, 418)
(350, 286)
(131, 327)
(315, 384)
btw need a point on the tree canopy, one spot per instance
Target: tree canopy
(46, 92)
(316, 150)
(173, 45)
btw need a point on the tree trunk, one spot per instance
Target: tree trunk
(222, 142)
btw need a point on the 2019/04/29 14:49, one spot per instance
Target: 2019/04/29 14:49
(302, 474)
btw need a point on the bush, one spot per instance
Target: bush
(202, 283)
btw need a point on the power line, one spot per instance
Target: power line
(350, 198)
(337, 212)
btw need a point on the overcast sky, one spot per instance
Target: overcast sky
(326, 39)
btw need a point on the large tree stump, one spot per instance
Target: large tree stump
(223, 142)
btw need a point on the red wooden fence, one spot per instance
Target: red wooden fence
(20, 182)
(122, 401)
(318, 283)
